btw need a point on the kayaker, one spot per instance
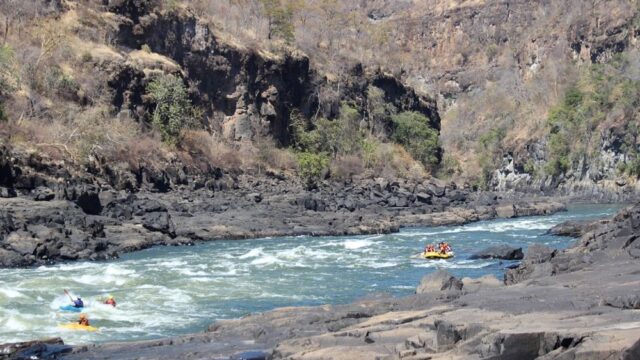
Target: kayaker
(84, 320)
(447, 248)
(429, 248)
(78, 303)
(110, 301)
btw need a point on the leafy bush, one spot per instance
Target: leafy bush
(335, 137)
(173, 111)
(3, 115)
(311, 166)
(8, 78)
(530, 167)
(450, 167)
(490, 151)
(369, 151)
(352, 150)
(56, 81)
(412, 130)
(632, 167)
(604, 96)
(280, 20)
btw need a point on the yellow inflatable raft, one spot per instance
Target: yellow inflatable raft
(437, 255)
(75, 326)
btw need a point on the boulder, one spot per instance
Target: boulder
(7, 192)
(160, 222)
(575, 229)
(503, 252)
(538, 253)
(7, 224)
(423, 198)
(440, 280)
(255, 197)
(9, 258)
(38, 349)
(506, 211)
(42, 193)
(22, 242)
(312, 204)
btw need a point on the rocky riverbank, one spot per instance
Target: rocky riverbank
(578, 303)
(47, 225)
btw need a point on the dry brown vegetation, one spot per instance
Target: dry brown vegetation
(59, 104)
(490, 69)
(487, 72)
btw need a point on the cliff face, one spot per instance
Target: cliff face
(248, 92)
(501, 66)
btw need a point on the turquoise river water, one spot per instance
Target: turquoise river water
(166, 291)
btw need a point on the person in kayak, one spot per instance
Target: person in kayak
(429, 248)
(110, 301)
(447, 248)
(78, 303)
(83, 320)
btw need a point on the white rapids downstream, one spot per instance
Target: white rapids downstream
(167, 291)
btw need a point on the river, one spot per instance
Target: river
(166, 291)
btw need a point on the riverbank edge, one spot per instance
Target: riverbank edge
(40, 239)
(579, 309)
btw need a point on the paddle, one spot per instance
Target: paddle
(69, 295)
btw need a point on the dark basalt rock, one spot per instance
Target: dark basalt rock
(252, 355)
(38, 349)
(42, 193)
(503, 252)
(7, 192)
(574, 228)
(159, 221)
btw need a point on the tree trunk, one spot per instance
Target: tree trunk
(6, 30)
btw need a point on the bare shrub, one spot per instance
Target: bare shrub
(209, 150)
(345, 167)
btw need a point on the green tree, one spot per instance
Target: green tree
(334, 137)
(173, 110)
(311, 166)
(490, 152)
(8, 78)
(412, 130)
(279, 19)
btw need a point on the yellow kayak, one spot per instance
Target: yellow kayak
(75, 326)
(436, 255)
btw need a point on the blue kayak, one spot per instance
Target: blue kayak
(71, 308)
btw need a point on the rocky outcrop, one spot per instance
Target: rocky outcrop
(247, 92)
(38, 349)
(558, 317)
(41, 232)
(615, 239)
(440, 280)
(60, 214)
(576, 229)
(504, 252)
(577, 313)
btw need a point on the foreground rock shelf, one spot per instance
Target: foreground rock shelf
(580, 303)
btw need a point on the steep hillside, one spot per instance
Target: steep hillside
(118, 88)
(497, 68)
(326, 88)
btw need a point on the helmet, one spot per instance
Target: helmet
(83, 316)
(110, 297)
